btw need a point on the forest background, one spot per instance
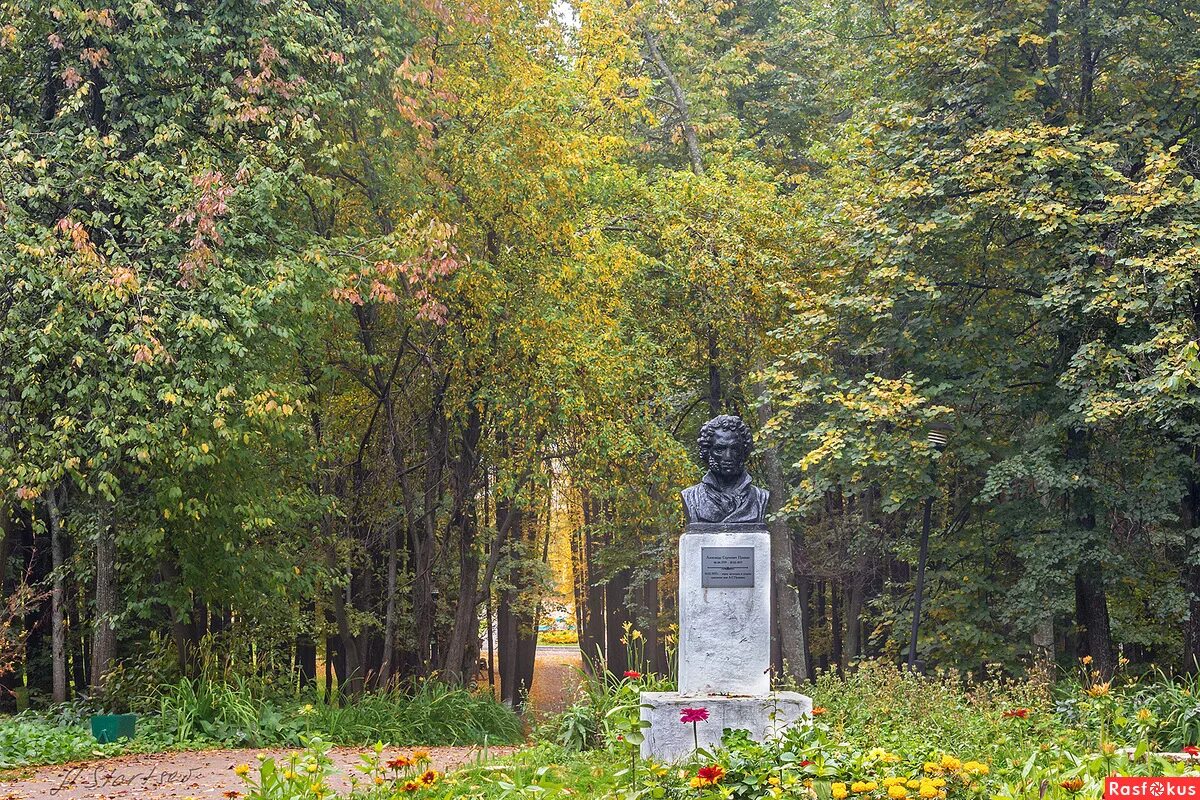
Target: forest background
(310, 308)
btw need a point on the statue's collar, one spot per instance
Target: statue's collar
(740, 487)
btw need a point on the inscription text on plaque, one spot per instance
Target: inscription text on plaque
(727, 567)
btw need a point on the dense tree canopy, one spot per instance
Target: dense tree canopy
(314, 315)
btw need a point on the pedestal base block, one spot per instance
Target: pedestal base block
(764, 716)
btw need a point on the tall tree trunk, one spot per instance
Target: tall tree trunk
(306, 649)
(1191, 569)
(617, 614)
(6, 543)
(58, 647)
(789, 642)
(591, 635)
(1091, 598)
(104, 637)
(654, 51)
(854, 606)
(389, 616)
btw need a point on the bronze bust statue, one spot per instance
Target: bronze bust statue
(725, 494)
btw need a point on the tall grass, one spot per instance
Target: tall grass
(430, 714)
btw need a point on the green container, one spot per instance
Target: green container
(110, 727)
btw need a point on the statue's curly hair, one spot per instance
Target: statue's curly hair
(724, 422)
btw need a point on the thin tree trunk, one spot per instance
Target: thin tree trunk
(389, 626)
(104, 638)
(58, 647)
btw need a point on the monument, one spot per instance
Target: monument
(724, 610)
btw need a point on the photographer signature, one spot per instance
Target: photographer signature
(97, 777)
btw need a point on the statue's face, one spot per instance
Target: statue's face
(725, 454)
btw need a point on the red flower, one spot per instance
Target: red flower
(1192, 750)
(806, 763)
(711, 775)
(632, 673)
(693, 715)
(1020, 713)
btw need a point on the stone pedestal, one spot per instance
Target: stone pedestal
(724, 645)
(725, 609)
(765, 717)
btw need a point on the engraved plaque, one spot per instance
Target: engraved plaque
(726, 567)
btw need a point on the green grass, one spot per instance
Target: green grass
(431, 715)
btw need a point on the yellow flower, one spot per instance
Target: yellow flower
(938, 782)
(1099, 689)
(242, 770)
(897, 792)
(863, 786)
(839, 791)
(311, 768)
(773, 780)
(289, 775)
(934, 768)
(975, 768)
(1085, 660)
(893, 781)
(308, 709)
(378, 780)
(929, 792)
(1144, 715)
(420, 755)
(429, 777)
(1108, 748)
(951, 763)
(410, 786)
(913, 784)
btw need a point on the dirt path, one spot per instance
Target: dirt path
(555, 679)
(203, 775)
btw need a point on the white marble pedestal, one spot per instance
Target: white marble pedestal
(765, 717)
(724, 645)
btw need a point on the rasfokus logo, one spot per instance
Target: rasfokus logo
(1152, 788)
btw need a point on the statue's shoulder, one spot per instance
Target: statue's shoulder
(761, 495)
(693, 499)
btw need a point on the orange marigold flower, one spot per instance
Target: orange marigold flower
(1072, 784)
(818, 711)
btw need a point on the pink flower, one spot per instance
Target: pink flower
(693, 715)
(632, 674)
